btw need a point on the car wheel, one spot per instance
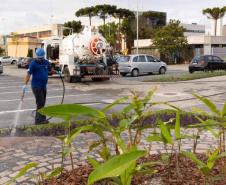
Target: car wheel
(123, 74)
(191, 71)
(162, 70)
(135, 72)
(206, 70)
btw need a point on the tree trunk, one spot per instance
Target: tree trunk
(90, 20)
(215, 27)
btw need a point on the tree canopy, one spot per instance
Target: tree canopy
(104, 11)
(75, 25)
(88, 11)
(215, 14)
(157, 19)
(170, 39)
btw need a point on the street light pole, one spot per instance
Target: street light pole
(137, 26)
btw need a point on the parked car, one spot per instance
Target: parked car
(19, 61)
(6, 59)
(206, 63)
(23, 61)
(27, 62)
(1, 68)
(141, 63)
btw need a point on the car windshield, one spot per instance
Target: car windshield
(197, 59)
(123, 59)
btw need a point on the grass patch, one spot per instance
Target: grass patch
(186, 77)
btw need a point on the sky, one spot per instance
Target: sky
(18, 14)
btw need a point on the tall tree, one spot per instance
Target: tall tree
(110, 30)
(104, 11)
(215, 14)
(127, 31)
(75, 25)
(157, 19)
(88, 11)
(120, 14)
(170, 39)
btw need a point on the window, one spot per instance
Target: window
(142, 58)
(150, 58)
(216, 59)
(135, 59)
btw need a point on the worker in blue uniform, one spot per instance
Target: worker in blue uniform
(39, 69)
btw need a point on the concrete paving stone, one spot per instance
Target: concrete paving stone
(43, 164)
(5, 173)
(42, 169)
(13, 174)
(18, 167)
(22, 179)
(45, 159)
(4, 180)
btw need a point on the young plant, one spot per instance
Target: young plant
(218, 121)
(205, 169)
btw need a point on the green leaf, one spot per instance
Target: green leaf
(192, 157)
(199, 110)
(165, 131)
(221, 155)
(115, 166)
(217, 178)
(153, 138)
(201, 125)
(211, 160)
(204, 169)
(136, 172)
(187, 137)
(53, 173)
(224, 110)
(94, 162)
(73, 136)
(177, 125)
(67, 151)
(165, 158)
(121, 100)
(126, 122)
(128, 108)
(67, 111)
(209, 104)
(23, 171)
(144, 165)
(62, 138)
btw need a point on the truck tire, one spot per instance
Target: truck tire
(67, 76)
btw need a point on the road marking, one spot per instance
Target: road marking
(31, 91)
(50, 97)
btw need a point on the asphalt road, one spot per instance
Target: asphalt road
(99, 94)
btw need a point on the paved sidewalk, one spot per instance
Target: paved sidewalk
(16, 152)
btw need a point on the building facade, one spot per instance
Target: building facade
(193, 29)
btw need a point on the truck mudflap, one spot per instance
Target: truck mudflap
(102, 76)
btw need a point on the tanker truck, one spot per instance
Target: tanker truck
(82, 55)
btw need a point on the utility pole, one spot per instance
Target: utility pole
(137, 26)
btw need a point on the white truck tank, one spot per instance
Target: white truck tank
(85, 46)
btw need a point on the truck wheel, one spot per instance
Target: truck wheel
(67, 76)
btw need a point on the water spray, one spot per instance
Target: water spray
(22, 97)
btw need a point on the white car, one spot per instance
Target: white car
(141, 63)
(6, 59)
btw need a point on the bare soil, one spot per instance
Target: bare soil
(186, 174)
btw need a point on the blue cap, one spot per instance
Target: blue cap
(39, 53)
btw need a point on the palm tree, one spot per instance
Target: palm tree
(215, 14)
